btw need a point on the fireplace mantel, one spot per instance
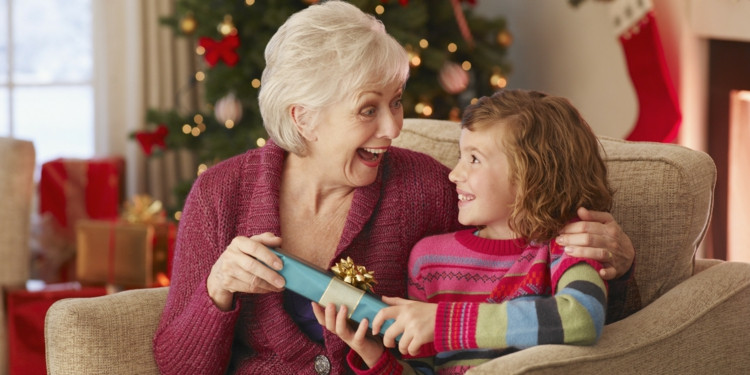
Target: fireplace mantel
(721, 19)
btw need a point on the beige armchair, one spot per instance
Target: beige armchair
(17, 158)
(694, 319)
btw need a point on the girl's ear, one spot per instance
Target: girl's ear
(302, 118)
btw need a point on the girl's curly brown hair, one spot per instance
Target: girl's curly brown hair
(554, 159)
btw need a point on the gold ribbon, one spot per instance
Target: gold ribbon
(340, 293)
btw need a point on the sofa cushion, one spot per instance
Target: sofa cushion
(663, 198)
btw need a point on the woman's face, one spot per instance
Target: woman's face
(353, 135)
(482, 178)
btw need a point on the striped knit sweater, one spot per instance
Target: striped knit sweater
(411, 198)
(538, 295)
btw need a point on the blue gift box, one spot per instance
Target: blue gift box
(324, 287)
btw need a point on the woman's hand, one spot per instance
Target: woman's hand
(415, 322)
(598, 236)
(241, 268)
(337, 322)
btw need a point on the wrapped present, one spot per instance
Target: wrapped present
(325, 287)
(71, 190)
(123, 253)
(25, 316)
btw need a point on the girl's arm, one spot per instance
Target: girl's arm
(575, 315)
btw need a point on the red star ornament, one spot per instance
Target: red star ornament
(223, 49)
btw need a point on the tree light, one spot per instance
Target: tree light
(202, 168)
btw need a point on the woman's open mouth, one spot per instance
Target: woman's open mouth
(371, 156)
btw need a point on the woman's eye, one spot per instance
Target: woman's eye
(397, 103)
(369, 111)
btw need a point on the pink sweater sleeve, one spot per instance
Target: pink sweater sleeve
(194, 337)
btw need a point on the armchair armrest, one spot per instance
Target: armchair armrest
(704, 264)
(104, 335)
(698, 327)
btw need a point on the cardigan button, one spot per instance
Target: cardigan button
(322, 365)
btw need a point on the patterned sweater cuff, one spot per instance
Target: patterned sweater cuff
(387, 364)
(456, 326)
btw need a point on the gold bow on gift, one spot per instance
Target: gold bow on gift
(143, 209)
(353, 274)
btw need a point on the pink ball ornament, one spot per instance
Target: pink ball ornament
(453, 78)
(228, 109)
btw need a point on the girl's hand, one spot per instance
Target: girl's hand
(242, 267)
(598, 236)
(366, 346)
(415, 322)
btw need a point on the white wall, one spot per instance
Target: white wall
(571, 52)
(574, 52)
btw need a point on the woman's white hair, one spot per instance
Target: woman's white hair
(322, 55)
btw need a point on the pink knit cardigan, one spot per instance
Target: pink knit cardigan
(410, 199)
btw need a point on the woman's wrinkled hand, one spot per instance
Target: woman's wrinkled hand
(247, 266)
(598, 236)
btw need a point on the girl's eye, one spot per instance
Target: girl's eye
(474, 159)
(397, 103)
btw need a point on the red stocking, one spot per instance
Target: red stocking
(659, 114)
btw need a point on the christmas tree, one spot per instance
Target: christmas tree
(456, 56)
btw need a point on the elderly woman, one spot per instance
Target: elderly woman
(327, 185)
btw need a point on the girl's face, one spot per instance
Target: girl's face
(482, 178)
(352, 136)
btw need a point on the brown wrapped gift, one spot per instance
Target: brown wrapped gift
(124, 254)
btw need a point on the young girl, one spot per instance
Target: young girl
(527, 160)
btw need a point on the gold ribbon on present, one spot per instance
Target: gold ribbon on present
(143, 208)
(353, 274)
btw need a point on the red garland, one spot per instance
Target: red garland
(463, 26)
(148, 140)
(223, 49)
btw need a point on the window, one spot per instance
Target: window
(46, 69)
